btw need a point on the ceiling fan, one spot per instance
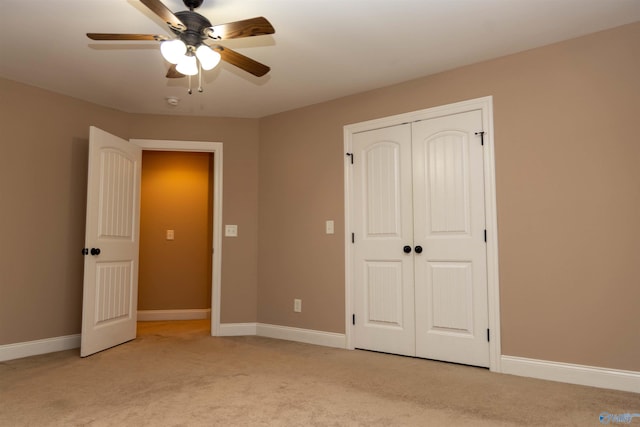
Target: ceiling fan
(194, 47)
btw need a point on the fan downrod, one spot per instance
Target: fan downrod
(192, 4)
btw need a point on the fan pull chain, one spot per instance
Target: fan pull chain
(200, 77)
(189, 91)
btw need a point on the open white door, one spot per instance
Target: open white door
(109, 308)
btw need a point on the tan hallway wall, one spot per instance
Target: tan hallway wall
(567, 157)
(176, 195)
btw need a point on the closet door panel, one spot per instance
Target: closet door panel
(383, 212)
(449, 224)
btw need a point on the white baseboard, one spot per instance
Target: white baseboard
(542, 369)
(570, 373)
(235, 329)
(187, 314)
(308, 336)
(49, 345)
(327, 339)
(33, 348)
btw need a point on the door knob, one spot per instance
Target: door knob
(95, 251)
(418, 249)
(406, 249)
(85, 251)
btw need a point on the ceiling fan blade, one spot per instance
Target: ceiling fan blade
(239, 60)
(234, 30)
(110, 36)
(165, 14)
(173, 73)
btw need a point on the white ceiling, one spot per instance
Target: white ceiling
(322, 49)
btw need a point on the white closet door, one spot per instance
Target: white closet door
(382, 210)
(449, 224)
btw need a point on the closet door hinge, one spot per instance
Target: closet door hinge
(350, 155)
(481, 133)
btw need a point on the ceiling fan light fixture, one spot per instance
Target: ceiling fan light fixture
(173, 50)
(208, 57)
(187, 65)
(187, 51)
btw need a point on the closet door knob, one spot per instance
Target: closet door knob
(418, 249)
(406, 249)
(95, 251)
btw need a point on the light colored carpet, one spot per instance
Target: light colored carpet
(175, 374)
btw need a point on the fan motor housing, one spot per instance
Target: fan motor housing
(195, 23)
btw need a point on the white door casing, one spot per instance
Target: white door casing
(110, 288)
(216, 149)
(440, 267)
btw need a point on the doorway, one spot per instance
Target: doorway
(215, 150)
(176, 208)
(424, 299)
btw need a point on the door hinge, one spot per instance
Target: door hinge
(350, 155)
(353, 319)
(481, 133)
(488, 336)
(353, 237)
(485, 235)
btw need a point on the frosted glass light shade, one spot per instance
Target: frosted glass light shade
(187, 66)
(173, 50)
(208, 57)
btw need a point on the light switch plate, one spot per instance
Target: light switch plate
(231, 231)
(170, 234)
(329, 226)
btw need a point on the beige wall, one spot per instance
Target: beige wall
(239, 199)
(568, 173)
(567, 156)
(43, 190)
(176, 195)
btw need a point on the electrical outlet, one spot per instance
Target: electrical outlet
(297, 305)
(231, 231)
